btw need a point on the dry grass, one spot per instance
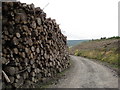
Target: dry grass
(103, 50)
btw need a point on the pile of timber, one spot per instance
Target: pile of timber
(33, 47)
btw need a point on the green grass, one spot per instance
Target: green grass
(109, 56)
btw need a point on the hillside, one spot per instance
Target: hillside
(74, 42)
(103, 50)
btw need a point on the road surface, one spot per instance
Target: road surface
(85, 73)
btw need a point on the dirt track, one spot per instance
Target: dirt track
(85, 73)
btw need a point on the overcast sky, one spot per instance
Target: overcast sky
(82, 19)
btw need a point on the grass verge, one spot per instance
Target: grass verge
(103, 55)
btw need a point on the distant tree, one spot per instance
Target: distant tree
(92, 39)
(103, 38)
(114, 37)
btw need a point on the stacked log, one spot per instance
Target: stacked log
(33, 47)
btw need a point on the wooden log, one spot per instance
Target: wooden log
(29, 69)
(21, 18)
(12, 79)
(33, 48)
(16, 80)
(31, 55)
(18, 35)
(10, 70)
(33, 79)
(15, 41)
(5, 61)
(27, 84)
(18, 83)
(23, 54)
(32, 44)
(17, 76)
(38, 50)
(39, 22)
(6, 77)
(26, 61)
(32, 74)
(25, 75)
(33, 25)
(15, 50)
(26, 50)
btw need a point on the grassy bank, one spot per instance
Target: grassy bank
(103, 50)
(110, 57)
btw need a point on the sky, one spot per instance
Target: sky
(82, 19)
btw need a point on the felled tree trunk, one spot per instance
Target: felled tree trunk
(33, 47)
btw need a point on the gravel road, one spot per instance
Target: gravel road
(85, 73)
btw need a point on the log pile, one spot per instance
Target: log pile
(33, 47)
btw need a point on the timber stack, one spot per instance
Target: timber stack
(33, 47)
